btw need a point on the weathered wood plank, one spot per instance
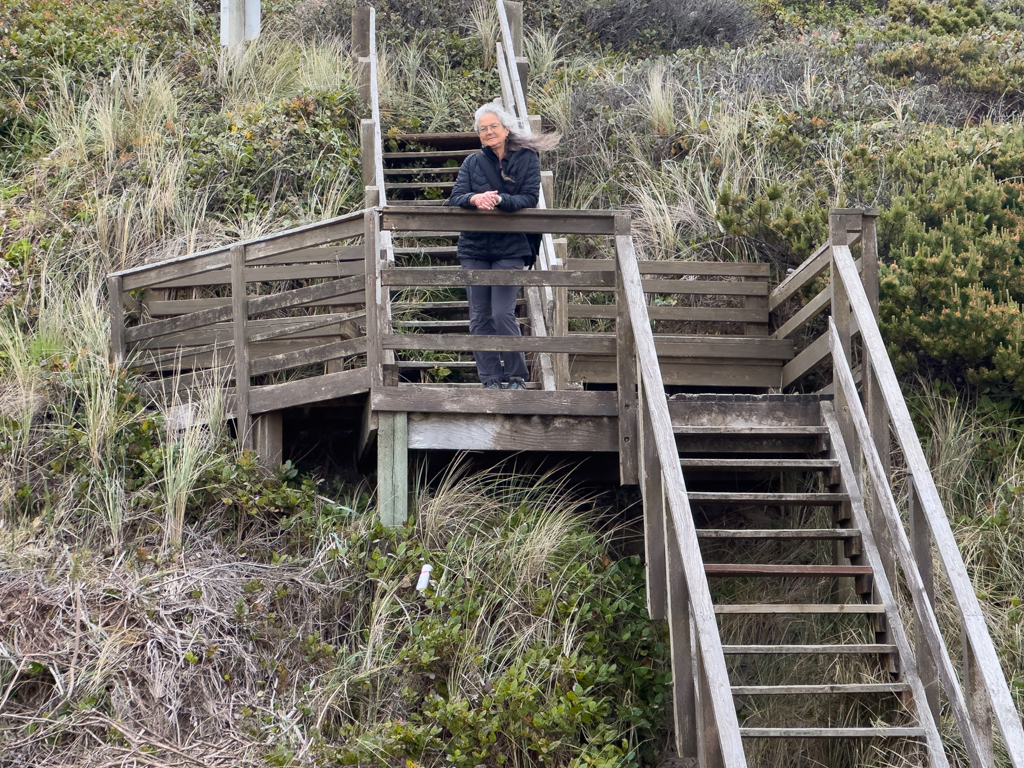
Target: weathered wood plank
(416, 398)
(747, 609)
(686, 372)
(308, 356)
(268, 274)
(769, 570)
(813, 690)
(269, 431)
(393, 469)
(173, 308)
(527, 221)
(115, 309)
(504, 432)
(889, 732)
(676, 267)
(696, 314)
(446, 342)
(296, 327)
(626, 380)
(330, 386)
(810, 357)
(240, 317)
(320, 233)
(429, 276)
(843, 649)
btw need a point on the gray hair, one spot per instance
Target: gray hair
(539, 142)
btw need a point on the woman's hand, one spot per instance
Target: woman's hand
(486, 201)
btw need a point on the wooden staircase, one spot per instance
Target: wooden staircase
(819, 664)
(776, 549)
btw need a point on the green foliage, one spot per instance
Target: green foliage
(268, 157)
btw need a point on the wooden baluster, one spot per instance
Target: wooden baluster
(681, 636)
(977, 702)
(115, 294)
(625, 357)
(374, 357)
(560, 323)
(921, 544)
(240, 321)
(654, 515)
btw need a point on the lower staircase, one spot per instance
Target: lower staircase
(819, 663)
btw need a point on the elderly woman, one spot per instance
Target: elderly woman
(504, 175)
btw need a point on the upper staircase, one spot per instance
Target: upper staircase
(795, 570)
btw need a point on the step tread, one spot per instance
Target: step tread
(845, 648)
(428, 249)
(419, 185)
(428, 154)
(771, 569)
(799, 431)
(427, 365)
(822, 499)
(761, 463)
(431, 323)
(778, 533)
(833, 733)
(822, 608)
(839, 688)
(409, 171)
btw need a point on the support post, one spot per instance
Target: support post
(393, 468)
(240, 321)
(684, 676)
(363, 84)
(625, 364)
(360, 32)
(374, 290)
(874, 405)
(709, 746)
(514, 11)
(239, 21)
(523, 65)
(921, 544)
(269, 432)
(115, 306)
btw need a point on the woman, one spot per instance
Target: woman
(504, 175)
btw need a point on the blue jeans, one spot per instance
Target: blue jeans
(492, 312)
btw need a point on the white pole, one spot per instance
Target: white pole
(239, 21)
(252, 19)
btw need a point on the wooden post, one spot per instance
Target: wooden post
(560, 323)
(874, 405)
(547, 185)
(684, 689)
(269, 430)
(838, 235)
(232, 23)
(921, 544)
(625, 363)
(514, 11)
(240, 319)
(368, 154)
(115, 306)
(393, 468)
(374, 290)
(535, 123)
(654, 517)
(977, 701)
(363, 84)
(361, 32)
(523, 65)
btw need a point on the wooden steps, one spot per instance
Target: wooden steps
(793, 596)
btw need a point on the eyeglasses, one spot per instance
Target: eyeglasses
(489, 128)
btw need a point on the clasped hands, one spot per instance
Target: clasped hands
(486, 201)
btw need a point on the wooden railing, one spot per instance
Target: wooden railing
(867, 417)
(246, 317)
(706, 726)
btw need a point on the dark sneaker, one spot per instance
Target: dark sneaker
(515, 382)
(492, 385)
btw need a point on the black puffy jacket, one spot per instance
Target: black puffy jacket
(523, 166)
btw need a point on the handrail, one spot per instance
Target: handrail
(655, 401)
(378, 143)
(843, 375)
(973, 620)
